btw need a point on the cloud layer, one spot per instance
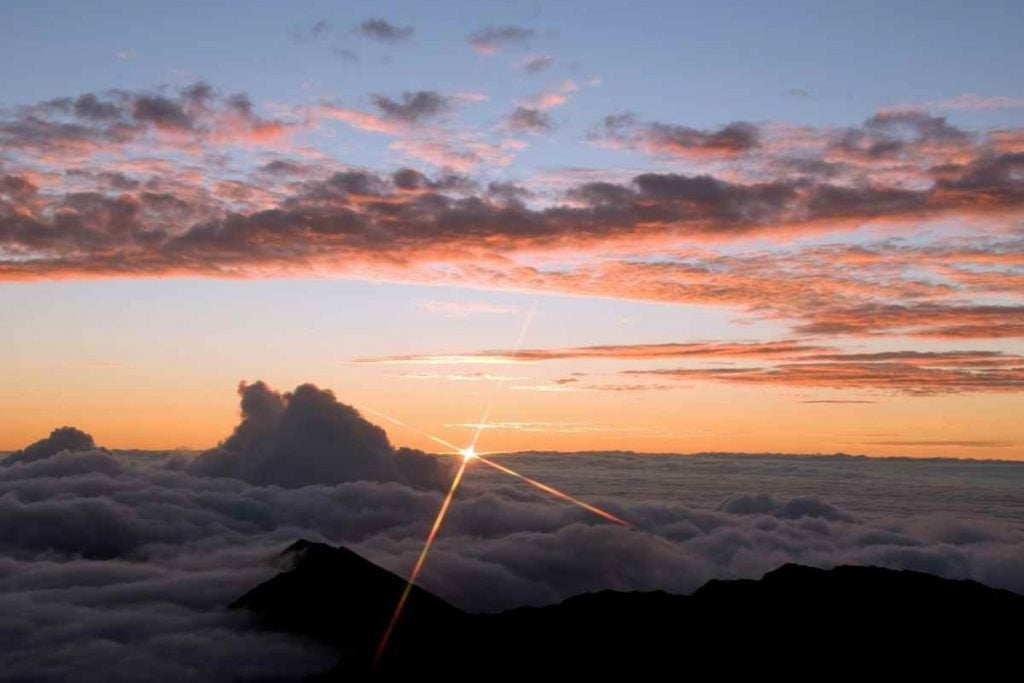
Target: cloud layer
(113, 566)
(141, 184)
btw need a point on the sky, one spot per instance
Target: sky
(664, 227)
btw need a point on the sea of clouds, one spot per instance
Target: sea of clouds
(118, 567)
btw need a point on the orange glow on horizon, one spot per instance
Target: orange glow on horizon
(694, 418)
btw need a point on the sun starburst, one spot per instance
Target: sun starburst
(469, 455)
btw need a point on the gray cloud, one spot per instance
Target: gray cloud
(535, 64)
(892, 134)
(345, 54)
(674, 140)
(307, 437)
(384, 31)
(109, 120)
(60, 439)
(491, 39)
(325, 221)
(313, 32)
(412, 107)
(526, 120)
(127, 217)
(117, 567)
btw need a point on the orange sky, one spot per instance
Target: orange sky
(713, 266)
(139, 405)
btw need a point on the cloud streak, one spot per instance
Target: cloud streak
(492, 39)
(383, 31)
(796, 363)
(908, 372)
(617, 352)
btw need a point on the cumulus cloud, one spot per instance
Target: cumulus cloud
(116, 567)
(307, 437)
(60, 439)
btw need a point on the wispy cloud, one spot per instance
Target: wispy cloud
(460, 377)
(544, 427)
(465, 309)
(907, 372)
(535, 64)
(491, 39)
(554, 96)
(969, 443)
(383, 31)
(626, 352)
(838, 401)
(969, 102)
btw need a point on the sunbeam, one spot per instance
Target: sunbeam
(504, 375)
(420, 561)
(469, 454)
(395, 420)
(555, 492)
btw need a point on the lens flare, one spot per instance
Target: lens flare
(504, 374)
(469, 454)
(435, 439)
(558, 494)
(419, 562)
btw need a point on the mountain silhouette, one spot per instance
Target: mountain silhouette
(343, 600)
(797, 620)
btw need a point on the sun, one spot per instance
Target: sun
(468, 454)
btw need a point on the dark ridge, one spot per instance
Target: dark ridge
(340, 599)
(796, 620)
